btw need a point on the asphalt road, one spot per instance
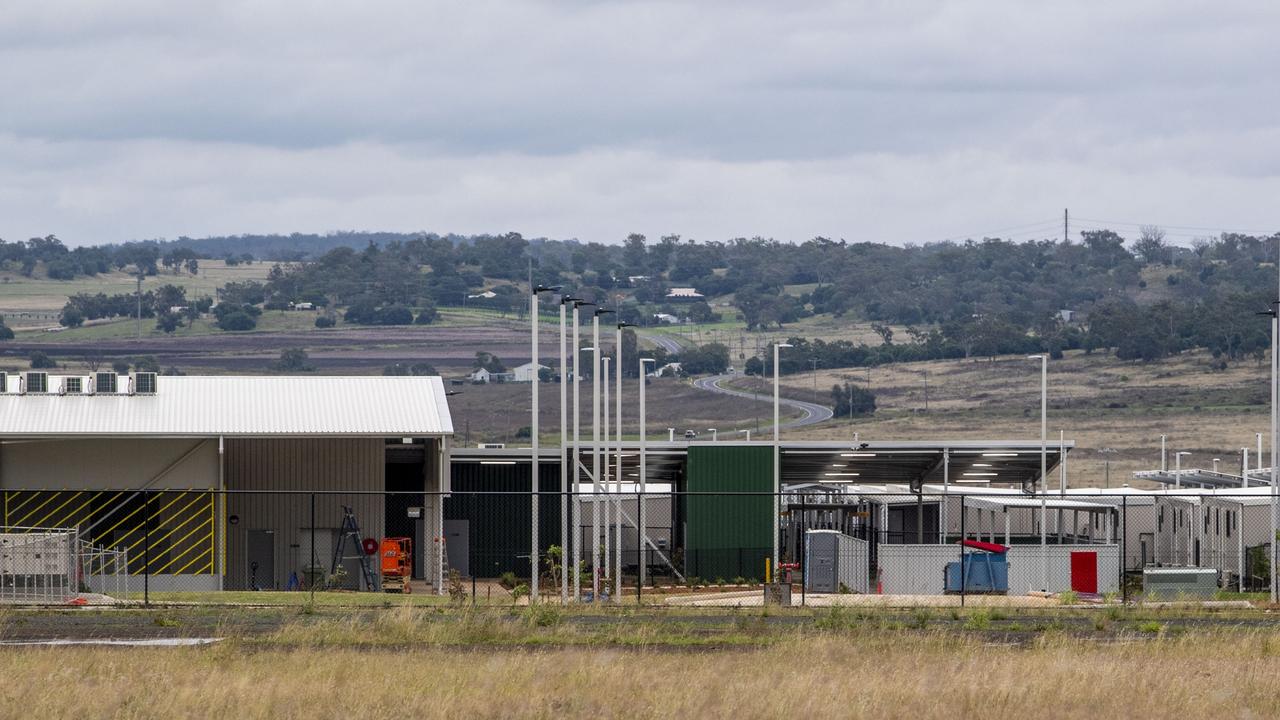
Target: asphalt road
(812, 413)
(664, 341)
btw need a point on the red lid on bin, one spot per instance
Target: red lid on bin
(986, 546)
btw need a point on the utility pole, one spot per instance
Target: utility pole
(138, 295)
(815, 381)
(1066, 225)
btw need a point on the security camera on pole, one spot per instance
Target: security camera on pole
(533, 436)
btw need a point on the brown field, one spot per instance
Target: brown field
(1099, 401)
(880, 674)
(493, 413)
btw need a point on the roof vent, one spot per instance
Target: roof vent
(104, 383)
(144, 383)
(35, 382)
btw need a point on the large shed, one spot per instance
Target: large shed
(218, 473)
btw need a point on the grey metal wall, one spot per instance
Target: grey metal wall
(307, 464)
(109, 464)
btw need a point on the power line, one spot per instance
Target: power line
(1177, 227)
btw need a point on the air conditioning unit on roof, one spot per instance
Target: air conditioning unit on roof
(105, 383)
(35, 382)
(144, 383)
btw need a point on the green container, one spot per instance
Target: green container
(728, 533)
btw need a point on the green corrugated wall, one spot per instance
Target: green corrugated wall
(728, 536)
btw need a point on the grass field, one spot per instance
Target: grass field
(36, 301)
(549, 663)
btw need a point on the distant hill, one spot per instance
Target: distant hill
(301, 246)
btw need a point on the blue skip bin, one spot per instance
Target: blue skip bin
(985, 571)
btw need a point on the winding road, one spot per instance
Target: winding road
(813, 413)
(664, 341)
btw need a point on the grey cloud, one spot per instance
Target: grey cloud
(579, 118)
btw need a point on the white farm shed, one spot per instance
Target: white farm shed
(219, 473)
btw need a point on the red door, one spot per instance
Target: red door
(1084, 572)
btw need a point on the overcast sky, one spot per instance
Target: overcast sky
(889, 121)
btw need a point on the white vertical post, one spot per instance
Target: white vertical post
(564, 467)
(1240, 548)
(606, 470)
(643, 533)
(1062, 462)
(575, 499)
(617, 476)
(1258, 454)
(595, 456)
(1044, 451)
(1275, 499)
(533, 460)
(1164, 461)
(777, 456)
(946, 488)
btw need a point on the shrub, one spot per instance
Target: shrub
(71, 317)
(6, 332)
(237, 321)
(508, 580)
(41, 361)
(325, 321)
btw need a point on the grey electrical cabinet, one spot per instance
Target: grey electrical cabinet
(835, 562)
(1172, 583)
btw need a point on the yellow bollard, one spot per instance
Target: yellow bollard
(766, 571)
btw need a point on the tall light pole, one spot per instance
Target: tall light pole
(617, 476)
(595, 469)
(642, 531)
(1177, 464)
(1275, 442)
(534, 559)
(777, 455)
(606, 471)
(575, 512)
(564, 460)
(1044, 458)
(595, 452)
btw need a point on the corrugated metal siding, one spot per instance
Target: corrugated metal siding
(728, 536)
(110, 464)
(245, 406)
(499, 524)
(310, 464)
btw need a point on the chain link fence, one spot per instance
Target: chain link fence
(828, 543)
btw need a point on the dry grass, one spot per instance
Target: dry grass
(872, 675)
(1099, 401)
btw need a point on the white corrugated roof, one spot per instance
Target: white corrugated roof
(190, 406)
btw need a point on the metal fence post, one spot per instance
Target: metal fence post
(803, 549)
(962, 539)
(641, 556)
(146, 548)
(1124, 546)
(312, 568)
